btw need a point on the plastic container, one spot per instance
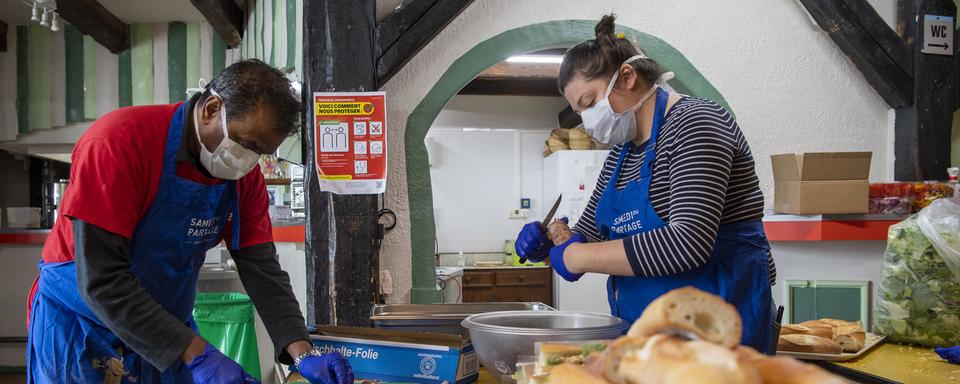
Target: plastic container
(926, 192)
(891, 205)
(225, 320)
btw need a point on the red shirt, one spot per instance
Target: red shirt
(115, 175)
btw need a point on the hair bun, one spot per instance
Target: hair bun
(604, 29)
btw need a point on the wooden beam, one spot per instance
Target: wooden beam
(394, 25)
(342, 230)
(225, 16)
(522, 70)
(93, 19)
(3, 36)
(415, 37)
(878, 54)
(880, 31)
(517, 86)
(922, 130)
(568, 118)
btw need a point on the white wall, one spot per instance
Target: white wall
(489, 154)
(791, 88)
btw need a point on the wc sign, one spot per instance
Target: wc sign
(938, 35)
(350, 141)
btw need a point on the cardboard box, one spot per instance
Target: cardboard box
(407, 357)
(821, 183)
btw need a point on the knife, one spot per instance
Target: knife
(546, 221)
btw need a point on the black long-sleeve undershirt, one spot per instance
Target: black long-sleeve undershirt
(117, 298)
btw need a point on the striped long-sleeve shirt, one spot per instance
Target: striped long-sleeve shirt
(703, 176)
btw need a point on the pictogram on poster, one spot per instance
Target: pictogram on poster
(350, 142)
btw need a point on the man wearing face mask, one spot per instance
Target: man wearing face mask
(152, 188)
(678, 201)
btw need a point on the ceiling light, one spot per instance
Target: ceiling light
(535, 59)
(35, 13)
(45, 20)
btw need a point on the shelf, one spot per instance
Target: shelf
(829, 227)
(277, 181)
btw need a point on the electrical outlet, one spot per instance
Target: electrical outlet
(519, 213)
(386, 283)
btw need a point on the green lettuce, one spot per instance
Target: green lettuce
(919, 297)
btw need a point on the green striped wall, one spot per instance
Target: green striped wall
(164, 60)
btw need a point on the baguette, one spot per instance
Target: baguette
(558, 232)
(688, 309)
(667, 359)
(849, 334)
(785, 370)
(824, 331)
(573, 374)
(809, 344)
(852, 341)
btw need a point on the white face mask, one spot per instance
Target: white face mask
(610, 127)
(229, 161)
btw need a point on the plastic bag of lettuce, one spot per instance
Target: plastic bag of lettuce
(920, 288)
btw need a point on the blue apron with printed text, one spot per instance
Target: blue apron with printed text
(737, 269)
(69, 344)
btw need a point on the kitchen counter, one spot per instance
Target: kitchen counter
(914, 365)
(906, 364)
(506, 267)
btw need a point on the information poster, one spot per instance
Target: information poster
(351, 142)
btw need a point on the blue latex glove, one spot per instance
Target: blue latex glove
(331, 368)
(213, 367)
(556, 258)
(951, 355)
(532, 244)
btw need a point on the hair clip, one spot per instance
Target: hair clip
(620, 35)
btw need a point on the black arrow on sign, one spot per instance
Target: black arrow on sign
(944, 45)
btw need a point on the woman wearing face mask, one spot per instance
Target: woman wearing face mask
(152, 188)
(678, 201)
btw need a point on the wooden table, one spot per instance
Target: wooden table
(906, 364)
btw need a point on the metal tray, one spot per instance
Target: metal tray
(442, 318)
(870, 340)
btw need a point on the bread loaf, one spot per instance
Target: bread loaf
(573, 374)
(558, 232)
(849, 334)
(667, 359)
(808, 343)
(823, 331)
(785, 370)
(851, 341)
(688, 309)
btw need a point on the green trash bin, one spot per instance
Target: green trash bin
(226, 321)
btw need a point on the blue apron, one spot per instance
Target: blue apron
(69, 344)
(737, 269)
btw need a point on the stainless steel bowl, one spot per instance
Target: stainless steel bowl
(499, 337)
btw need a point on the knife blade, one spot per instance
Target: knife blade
(546, 221)
(553, 211)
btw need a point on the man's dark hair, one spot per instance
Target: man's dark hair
(250, 84)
